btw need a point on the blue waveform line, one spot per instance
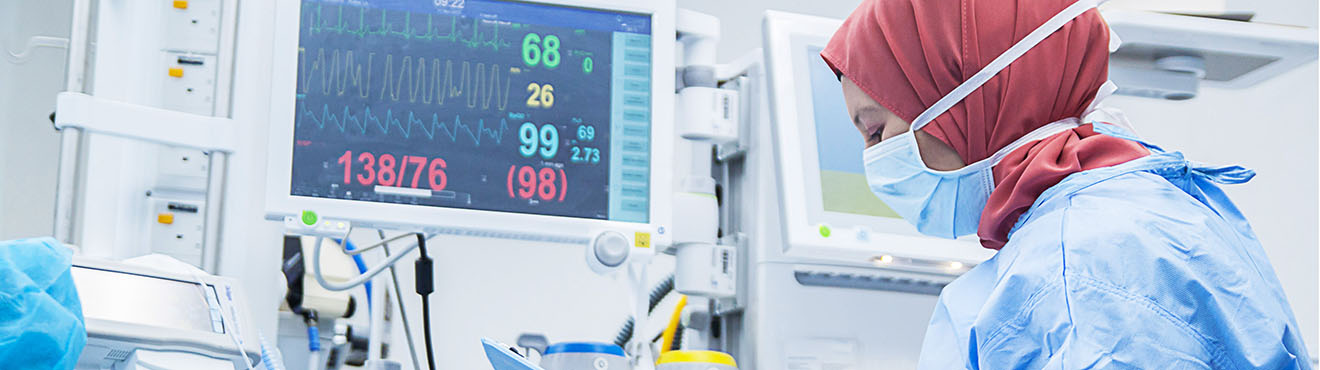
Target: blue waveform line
(348, 119)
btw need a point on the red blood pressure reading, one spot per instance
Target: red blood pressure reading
(384, 169)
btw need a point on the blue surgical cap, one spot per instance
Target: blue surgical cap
(41, 321)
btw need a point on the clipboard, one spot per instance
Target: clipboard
(502, 358)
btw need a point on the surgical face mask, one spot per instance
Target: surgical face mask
(948, 204)
(945, 204)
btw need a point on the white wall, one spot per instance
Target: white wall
(29, 146)
(740, 20)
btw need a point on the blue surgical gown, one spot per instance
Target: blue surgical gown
(1144, 265)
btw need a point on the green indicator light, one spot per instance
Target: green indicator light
(309, 218)
(587, 65)
(824, 231)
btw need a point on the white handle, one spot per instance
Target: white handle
(108, 117)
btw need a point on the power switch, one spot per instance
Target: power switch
(611, 249)
(165, 218)
(176, 72)
(309, 218)
(608, 252)
(181, 4)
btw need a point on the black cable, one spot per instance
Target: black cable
(658, 293)
(426, 320)
(625, 333)
(424, 286)
(678, 338)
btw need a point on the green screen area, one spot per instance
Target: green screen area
(838, 147)
(848, 192)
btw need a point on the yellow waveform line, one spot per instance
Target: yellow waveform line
(417, 79)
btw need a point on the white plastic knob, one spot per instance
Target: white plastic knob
(608, 252)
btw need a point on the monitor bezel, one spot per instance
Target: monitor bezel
(281, 203)
(785, 34)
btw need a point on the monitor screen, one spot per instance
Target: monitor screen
(475, 104)
(839, 146)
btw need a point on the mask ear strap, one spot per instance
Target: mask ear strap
(1096, 110)
(1003, 60)
(1106, 90)
(1114, 41)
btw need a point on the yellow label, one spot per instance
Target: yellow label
(642, 240)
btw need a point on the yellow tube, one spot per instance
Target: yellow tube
(667, 339)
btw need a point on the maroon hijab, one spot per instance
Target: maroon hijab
(907, 54)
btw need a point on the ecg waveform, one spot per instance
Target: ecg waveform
(415, 80)
(346, 121)
(336, 23)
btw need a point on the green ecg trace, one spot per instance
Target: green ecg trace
(317, 24)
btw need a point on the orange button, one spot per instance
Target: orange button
(181, 4)
(165, 218)
(176, 72)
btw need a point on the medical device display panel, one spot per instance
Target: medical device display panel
(843, 186)
(475, 104)
(163, 303)
(837, 195)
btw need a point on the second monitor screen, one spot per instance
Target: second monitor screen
(839, 146)
(475, 104)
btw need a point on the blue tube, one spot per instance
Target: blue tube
(362, 268)
(313, 338)
(270, 355)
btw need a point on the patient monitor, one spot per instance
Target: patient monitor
(530, 120)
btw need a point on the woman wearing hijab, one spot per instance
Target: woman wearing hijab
(982, 116)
